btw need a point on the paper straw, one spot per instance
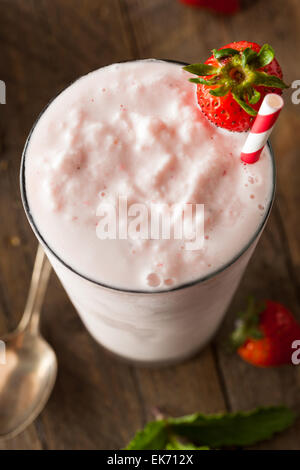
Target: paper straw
(262, 127)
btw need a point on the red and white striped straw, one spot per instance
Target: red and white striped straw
(262, 127)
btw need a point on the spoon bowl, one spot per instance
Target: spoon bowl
(29, 371)
(26, 382)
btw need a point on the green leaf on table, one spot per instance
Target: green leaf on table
(200, 432)
(177, 445)
(232, 429)
(154, 436)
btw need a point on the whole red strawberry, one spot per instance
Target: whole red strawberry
(225, 7)
(232, 83)
(264, 334)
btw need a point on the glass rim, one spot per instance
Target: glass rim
(184, 285)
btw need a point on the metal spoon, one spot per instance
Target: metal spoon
(28, 375)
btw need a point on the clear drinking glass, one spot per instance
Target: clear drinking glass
(152, 327)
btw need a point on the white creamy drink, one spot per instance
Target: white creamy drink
(134, 131)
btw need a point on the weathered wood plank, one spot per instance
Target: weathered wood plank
(97, 401)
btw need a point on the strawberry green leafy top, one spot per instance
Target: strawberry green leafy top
(234, 81)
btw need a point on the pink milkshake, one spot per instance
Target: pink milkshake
(134, 131)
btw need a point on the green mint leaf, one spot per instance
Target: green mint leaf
(220, 91)
(248, 55)
(177, 445)
(263, 79)
(154, 436)
(232, 429)
(265, 55)
(222, 53)
(201, 69)
(213, 431)
(244, 105)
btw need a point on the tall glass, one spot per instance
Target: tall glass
(152, 327)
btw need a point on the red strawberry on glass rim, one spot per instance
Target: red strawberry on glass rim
(226, 7)
(265, 333)
(233, 82)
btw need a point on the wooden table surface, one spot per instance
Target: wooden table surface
(98, 402)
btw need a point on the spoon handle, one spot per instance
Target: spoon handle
(39, 281)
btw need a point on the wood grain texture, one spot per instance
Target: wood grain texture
(98, 402)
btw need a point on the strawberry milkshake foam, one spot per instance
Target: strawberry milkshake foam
(134, 130)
